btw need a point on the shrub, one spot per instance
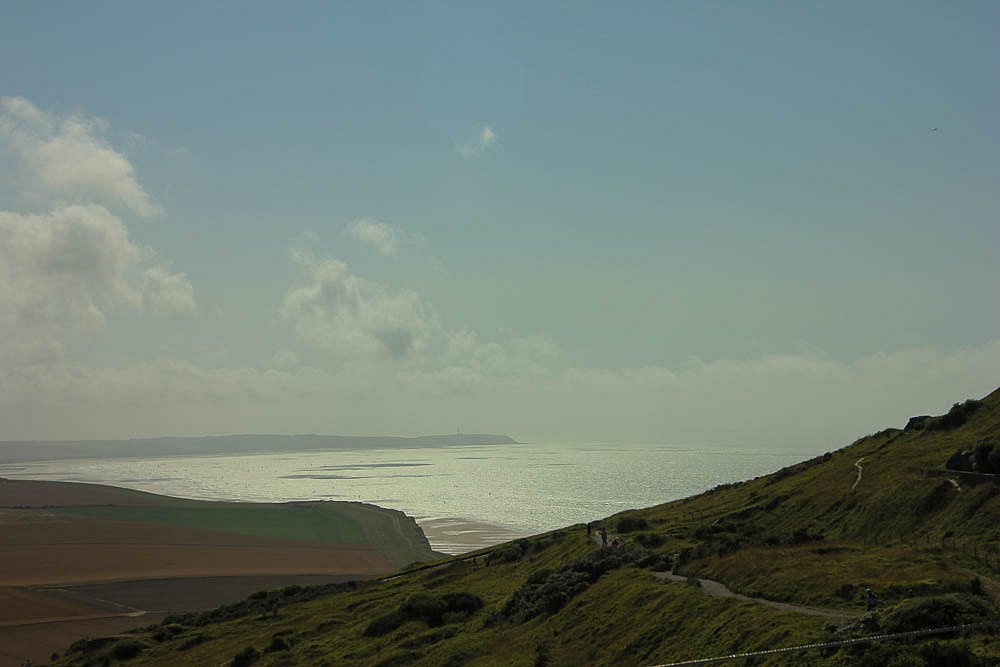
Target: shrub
(128, 649)
(462, 602)
(424, 607)
(936, 654)
(548, 596)
(168, 631)
(399, 658)
(802, 535)
(938, 611)
(936, 499)
(88, 645)
(628, 524)
(191, 642)
(277, 644)
(245, 658)
(685, 556)
(958, 415)
(508, 553)
(994, 459)
(384, 624)
(542, 654)
(649, 540)
(986, 456)
(433, 610)
(547, 591)
(656, 562)
(257, 603)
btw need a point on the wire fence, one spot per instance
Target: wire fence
(985, 552)
(825, 645)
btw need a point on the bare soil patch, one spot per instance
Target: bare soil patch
(39, 641)
(20, 605)
(40, 548)
(32, 493)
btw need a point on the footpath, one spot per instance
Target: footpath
(720, 590)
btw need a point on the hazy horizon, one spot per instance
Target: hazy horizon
(686, 223)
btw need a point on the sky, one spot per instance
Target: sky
(734, 224)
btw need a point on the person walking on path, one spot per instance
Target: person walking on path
(590, 527)
(604, 537)
(871, 600)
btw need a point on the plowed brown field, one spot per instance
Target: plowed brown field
(65, 576)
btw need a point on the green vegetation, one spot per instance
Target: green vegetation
(958, 415)
(925, 541)
(987, 456)
(310, 522)
(433, 610)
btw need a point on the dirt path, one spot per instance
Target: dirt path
(857, 464)
(720, 590)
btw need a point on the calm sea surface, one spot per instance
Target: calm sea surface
(527, 487)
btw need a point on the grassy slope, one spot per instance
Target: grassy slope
(800, 535)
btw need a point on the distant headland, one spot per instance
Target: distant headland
(21, 451)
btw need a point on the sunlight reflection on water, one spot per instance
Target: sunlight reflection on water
(525, 487)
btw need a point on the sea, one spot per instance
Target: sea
(465, 497)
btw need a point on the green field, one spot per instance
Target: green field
(312, 523)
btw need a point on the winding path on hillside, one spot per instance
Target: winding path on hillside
(857, 464)
(720, 590)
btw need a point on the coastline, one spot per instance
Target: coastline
(459, 535)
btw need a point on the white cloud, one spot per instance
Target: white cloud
(352, 317)
(798, 402)
(527, 356)
(62, 270)
(486, 138)
(384, 238)
(69, 158)
(169, 294)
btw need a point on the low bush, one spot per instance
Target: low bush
(649, 540)
(384, 624)
(986, 456)
(259, 603)
(508, 553)
(938, 611)
(277, 644)
(425, 607)
(433, 610)
(628, 524)
(547, 591)
(166, 632)
(127, 649)
(958, 415)
(191, 642)
(931, 654)
(245, 658)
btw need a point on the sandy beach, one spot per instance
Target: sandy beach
(457, 535)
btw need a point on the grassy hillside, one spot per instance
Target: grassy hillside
(924, 539)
